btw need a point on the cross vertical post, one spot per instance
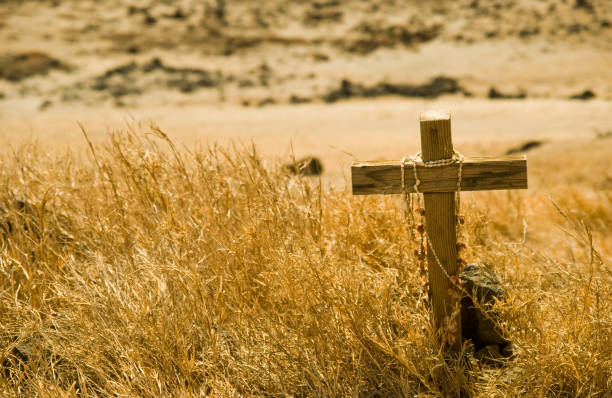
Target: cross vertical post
(440, 224)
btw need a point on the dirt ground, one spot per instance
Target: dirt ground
(337, 80)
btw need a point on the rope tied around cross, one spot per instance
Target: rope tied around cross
(416, 159)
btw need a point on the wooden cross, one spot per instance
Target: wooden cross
(439, 184)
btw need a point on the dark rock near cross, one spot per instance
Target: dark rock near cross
(483, 286)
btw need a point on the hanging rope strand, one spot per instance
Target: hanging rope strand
(415, 161)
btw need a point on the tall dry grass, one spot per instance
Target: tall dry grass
(141, 269)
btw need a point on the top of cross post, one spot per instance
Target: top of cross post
(436, 140)
(435, 115)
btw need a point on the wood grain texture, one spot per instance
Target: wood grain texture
(436, 144)
(503, 172)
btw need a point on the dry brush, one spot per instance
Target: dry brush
(143, 269)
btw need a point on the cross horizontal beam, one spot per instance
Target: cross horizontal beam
(503, 172)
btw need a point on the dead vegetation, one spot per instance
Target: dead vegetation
(377, 34)
(434, 88)
(144, 270)
(15, 67)
(133, 78)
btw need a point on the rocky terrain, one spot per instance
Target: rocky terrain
(247, 53)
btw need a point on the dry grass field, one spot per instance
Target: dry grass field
(186, 260)
(142, 270)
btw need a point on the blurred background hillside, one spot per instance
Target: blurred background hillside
(510, 70)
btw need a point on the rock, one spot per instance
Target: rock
(495, 94)
(324, 11)
(585, 5)
(245, 83)
(325, 4)
(23, 351)
(298, 100)
(134, 79)
(27, 352)
(344, 92)
(434, 88)
(585, 95)
(45, 104)
(264, 74)
(177, 13)
(320, 16)
(576, 28)
(220, 11)
(149, 19)
(22, 216)
(507, 350)
(21, 210)
(266, 101)
(308, 166)
(135, 10)
(374, 35)
(602, 135)
(527, 32)
(18, 66)
(492, 355)
(18, 357)
(482, 284)
(489, 354)
(320, 57)
(524, 147)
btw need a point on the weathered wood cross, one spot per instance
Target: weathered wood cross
(439, 184)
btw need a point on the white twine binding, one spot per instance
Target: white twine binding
(417, 160)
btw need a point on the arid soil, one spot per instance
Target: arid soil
(335, 79)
